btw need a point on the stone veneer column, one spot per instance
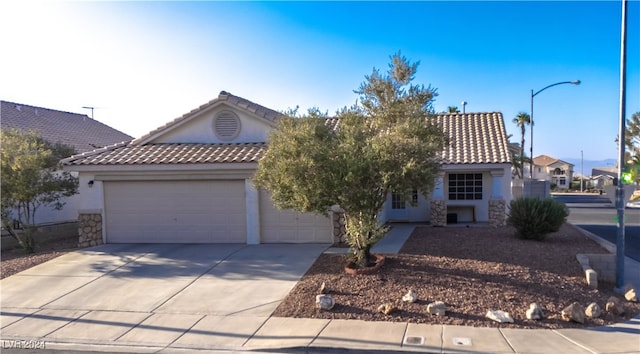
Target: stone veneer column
(497, 204)
(339, 228)
(497, 213)
(89, 229)
(438, 205)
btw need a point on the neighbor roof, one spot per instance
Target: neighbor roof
(476, 138)
(78, 130)
(544, 160)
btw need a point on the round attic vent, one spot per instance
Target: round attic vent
(226, 125)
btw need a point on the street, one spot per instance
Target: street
(596, 214)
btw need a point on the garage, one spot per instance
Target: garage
(208, 211)
(288, 226)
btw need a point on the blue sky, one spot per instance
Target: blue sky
(142, 64)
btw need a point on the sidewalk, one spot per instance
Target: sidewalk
(153, 332)
(169, 334)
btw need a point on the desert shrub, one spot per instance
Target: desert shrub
(535, 218)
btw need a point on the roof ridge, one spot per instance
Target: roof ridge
(96, 151)
(223, 96)
(44, 108)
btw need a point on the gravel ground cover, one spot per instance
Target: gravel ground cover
(15, 260)
(472, 270)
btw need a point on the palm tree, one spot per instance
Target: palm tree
(453, 109)
(522, 120)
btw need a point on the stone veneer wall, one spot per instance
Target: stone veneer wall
(497, 213)
(438, 212)
(339, 228)
(89, 230)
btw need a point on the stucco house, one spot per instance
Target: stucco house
(555, 171)
(190, 181)
(77, 130)
(603, 176)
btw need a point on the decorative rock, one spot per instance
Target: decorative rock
(324, 289)
(499, 316)
(631, 295)
(614, 306)
(437, 308)
(387, 308)
(573, 312)
(593, 310)
(410, 296)
(324, 302)
(534, 312)
(592, 278)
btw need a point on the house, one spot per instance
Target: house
(77, 130)
(602, 177)
(555, 171)
(190, 181)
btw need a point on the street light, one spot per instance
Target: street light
(576, 82)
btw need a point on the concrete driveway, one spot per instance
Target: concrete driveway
(121, 292)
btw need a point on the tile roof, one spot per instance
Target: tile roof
(224, 96)
(169, 154)
(475, 138)
(545, 160)
(78, 130)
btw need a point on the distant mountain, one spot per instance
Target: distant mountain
(589, 164)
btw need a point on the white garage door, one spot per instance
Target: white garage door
(287, 226)
(175, 211)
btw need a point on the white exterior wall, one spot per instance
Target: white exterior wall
(201, 130)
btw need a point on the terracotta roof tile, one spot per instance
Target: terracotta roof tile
(78, 130)
(545, 160)
(164, 154)
(474, 138)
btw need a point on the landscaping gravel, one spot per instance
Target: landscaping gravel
(472, 270)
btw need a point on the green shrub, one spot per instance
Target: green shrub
(535, 218)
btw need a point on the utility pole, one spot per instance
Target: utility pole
(620, 200)
(581, 169)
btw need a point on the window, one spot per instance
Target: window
(397, 202)
(563, 181)
(465, 186)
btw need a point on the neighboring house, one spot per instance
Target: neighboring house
(77, 130)
(603, 176)
(190, 181)
(555, 171)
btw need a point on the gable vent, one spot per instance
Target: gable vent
(226, 125)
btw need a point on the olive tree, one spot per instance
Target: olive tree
(386, 143)
(31, 178)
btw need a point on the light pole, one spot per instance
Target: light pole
(581, 169)
(576, 82)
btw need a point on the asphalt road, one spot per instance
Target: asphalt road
(598, 215)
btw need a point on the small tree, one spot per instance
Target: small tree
(384, 144)
(31, 179)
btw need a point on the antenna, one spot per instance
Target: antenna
(91, 108)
